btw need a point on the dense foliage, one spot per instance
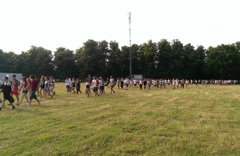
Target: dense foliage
(154, 60)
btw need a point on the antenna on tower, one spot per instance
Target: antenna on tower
(130, 44)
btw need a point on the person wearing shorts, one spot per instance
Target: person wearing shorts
(90, 79)
(95, 83)
(134, 82)
(15, 84)
(164, 83)
(173, 84)
(148, 84)
(34, 86)
(0, 90)
(131, 83)
(24, 87)
(78, 86)
(126, 83)
(182, 83)
(7, 93)
(68, 84)
(52, 85)
(145, 83)
(87, 86)
(118, 83)
(140, 84)
(161, 82)
(112, 84)
(122, 83)
(73, 85)
(101, 86)
(154, 82)
(177, 83)
(41, 83)
(47, 87)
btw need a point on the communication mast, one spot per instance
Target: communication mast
(130, 44)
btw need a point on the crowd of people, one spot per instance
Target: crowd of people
(28, 86)
(95, 83)
(46, 85)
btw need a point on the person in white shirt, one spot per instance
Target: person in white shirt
(131, 83)
(135, 83)
(148, 84)
(93, 82)
(154, 82)
(140, 84)
(177, 83)
(173, 83)
(68, 84)
(126, 83)
(112, 84)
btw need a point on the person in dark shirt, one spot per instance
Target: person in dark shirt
(0, 91)
(7, 93)
(34, 87)
(122, 83)
(90, 79)
(78, 85)
(145, 83)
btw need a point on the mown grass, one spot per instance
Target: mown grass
(191, 121)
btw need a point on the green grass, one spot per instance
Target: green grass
(193, 121)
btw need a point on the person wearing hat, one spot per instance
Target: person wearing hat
(7, 93)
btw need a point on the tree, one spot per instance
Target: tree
(38, 61)
(91, 58)
(114, 60)
(153, 60)
(65, 63)
(177, 65)
(165, 59)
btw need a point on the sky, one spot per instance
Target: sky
(70, 23)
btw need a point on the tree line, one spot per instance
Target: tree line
(161, 59)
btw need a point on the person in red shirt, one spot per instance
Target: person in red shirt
(34, 86)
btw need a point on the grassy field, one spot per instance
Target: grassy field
(193, 121)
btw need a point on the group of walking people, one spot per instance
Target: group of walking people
(96, 84)
(163, 83)
(46, 85)
(27, 86)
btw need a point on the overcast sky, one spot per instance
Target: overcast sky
(69, 23)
